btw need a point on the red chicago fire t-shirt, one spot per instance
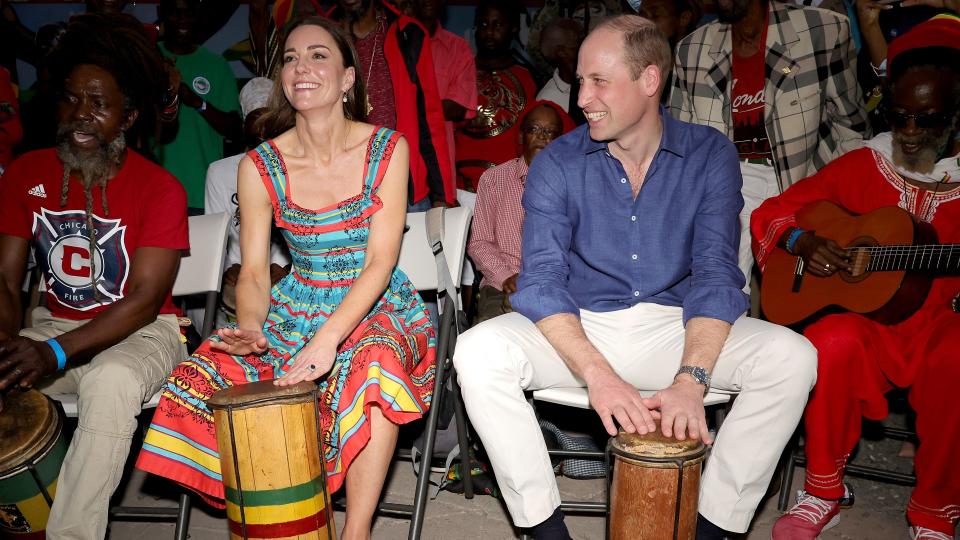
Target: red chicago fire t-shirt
(148, 208)
(747, 102)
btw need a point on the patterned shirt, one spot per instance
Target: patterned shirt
(376, 75)
(498, 222)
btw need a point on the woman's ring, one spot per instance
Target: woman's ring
(312, 367)
(826, 266)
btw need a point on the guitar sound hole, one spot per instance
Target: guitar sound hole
(860, 259)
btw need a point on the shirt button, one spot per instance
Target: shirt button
(633, 218)
(634, 256)
(636, 293)
(623, 180)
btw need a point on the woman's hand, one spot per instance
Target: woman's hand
(239, 342)
(312, 362)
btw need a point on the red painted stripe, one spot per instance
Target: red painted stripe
(279, 530)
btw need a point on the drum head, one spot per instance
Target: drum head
(27, 422)
(655, 445)
(261, 392)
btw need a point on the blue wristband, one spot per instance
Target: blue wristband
(58, 350)
(792, 239)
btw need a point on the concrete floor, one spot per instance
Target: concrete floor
(877, 515)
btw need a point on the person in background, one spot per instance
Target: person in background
(780, 80)
(559, 44)
(675, 18)
(454, 67)
(504, 89)
(11, 130)
(494, 244)
(221, 196)
(207, 91)
(396, 64)
(913, 167)
(108, 227)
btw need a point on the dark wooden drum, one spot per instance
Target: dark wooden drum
(271, 460)
(655, 487)
(32, 447)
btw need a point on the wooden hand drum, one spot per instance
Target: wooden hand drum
(274, 479)
(655, 487)
(32, 447)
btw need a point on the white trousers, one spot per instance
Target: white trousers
(771, 367)
(759, 184)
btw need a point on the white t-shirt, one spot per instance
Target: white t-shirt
(556, 90)
(221, 196)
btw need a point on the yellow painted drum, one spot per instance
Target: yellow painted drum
(274, 480)
(32, 447)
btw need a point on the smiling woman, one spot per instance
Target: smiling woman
(344, 315)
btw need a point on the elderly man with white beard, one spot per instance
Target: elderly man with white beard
(914, 167)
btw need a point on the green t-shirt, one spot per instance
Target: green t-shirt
(197, 144)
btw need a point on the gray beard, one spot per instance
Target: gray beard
(931, 150)
(90, 169)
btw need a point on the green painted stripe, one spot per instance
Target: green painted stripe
(273, 497)
(23, 486)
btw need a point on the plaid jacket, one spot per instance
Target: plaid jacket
(814, 108)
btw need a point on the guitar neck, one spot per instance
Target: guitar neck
(935, 258)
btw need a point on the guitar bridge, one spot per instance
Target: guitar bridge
(797, 275)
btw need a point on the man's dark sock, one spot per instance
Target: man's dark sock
(553, 528)
(706, 530)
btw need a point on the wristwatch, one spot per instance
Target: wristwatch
(698, 373)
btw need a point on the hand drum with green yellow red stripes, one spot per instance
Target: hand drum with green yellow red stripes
(32, 447)
(274, 480)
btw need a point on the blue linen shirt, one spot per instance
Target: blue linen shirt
(588, 244)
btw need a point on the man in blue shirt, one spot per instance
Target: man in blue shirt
(629, 280)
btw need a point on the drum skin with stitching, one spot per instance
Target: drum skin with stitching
(32, 447)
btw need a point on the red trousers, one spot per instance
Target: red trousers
(858, 362)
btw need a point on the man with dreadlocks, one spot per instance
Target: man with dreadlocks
(107, 227)
(914, 166)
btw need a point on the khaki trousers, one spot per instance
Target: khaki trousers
(111, 388)
(771, 367)
(759, 184)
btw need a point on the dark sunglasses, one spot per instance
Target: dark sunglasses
(937, 120)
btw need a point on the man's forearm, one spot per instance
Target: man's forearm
(109, 327)
(703, 340)
(10, 312)
(566, 336)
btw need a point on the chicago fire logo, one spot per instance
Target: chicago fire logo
(63, 254)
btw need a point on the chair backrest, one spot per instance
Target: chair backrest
(202, 270)
(416, 258)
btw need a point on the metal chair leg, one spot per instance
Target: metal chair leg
(460, 416)
(183, 518)
(429, 439)
(786, 473)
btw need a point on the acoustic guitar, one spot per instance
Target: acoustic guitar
(894, 260)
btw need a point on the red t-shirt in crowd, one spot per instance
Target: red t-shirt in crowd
(747, 100)
(494, 134)
(148, 208)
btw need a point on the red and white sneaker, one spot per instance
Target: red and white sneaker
(809, 517)
(923, 533)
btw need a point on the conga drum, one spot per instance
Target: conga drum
(274, 480)
(655, 486)
(32, 447)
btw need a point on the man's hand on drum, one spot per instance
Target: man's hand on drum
(313, 361)
(681, 411)
(240, 342)
(614, 399)
(24, 361)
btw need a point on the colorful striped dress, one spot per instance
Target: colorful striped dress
(388, 360)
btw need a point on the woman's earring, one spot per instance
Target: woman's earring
(344, 97)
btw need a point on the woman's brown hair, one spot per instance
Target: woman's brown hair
(281, 116)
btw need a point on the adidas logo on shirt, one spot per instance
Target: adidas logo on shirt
(38, 191)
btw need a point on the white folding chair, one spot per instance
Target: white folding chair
(418, 261)
(200, 272)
